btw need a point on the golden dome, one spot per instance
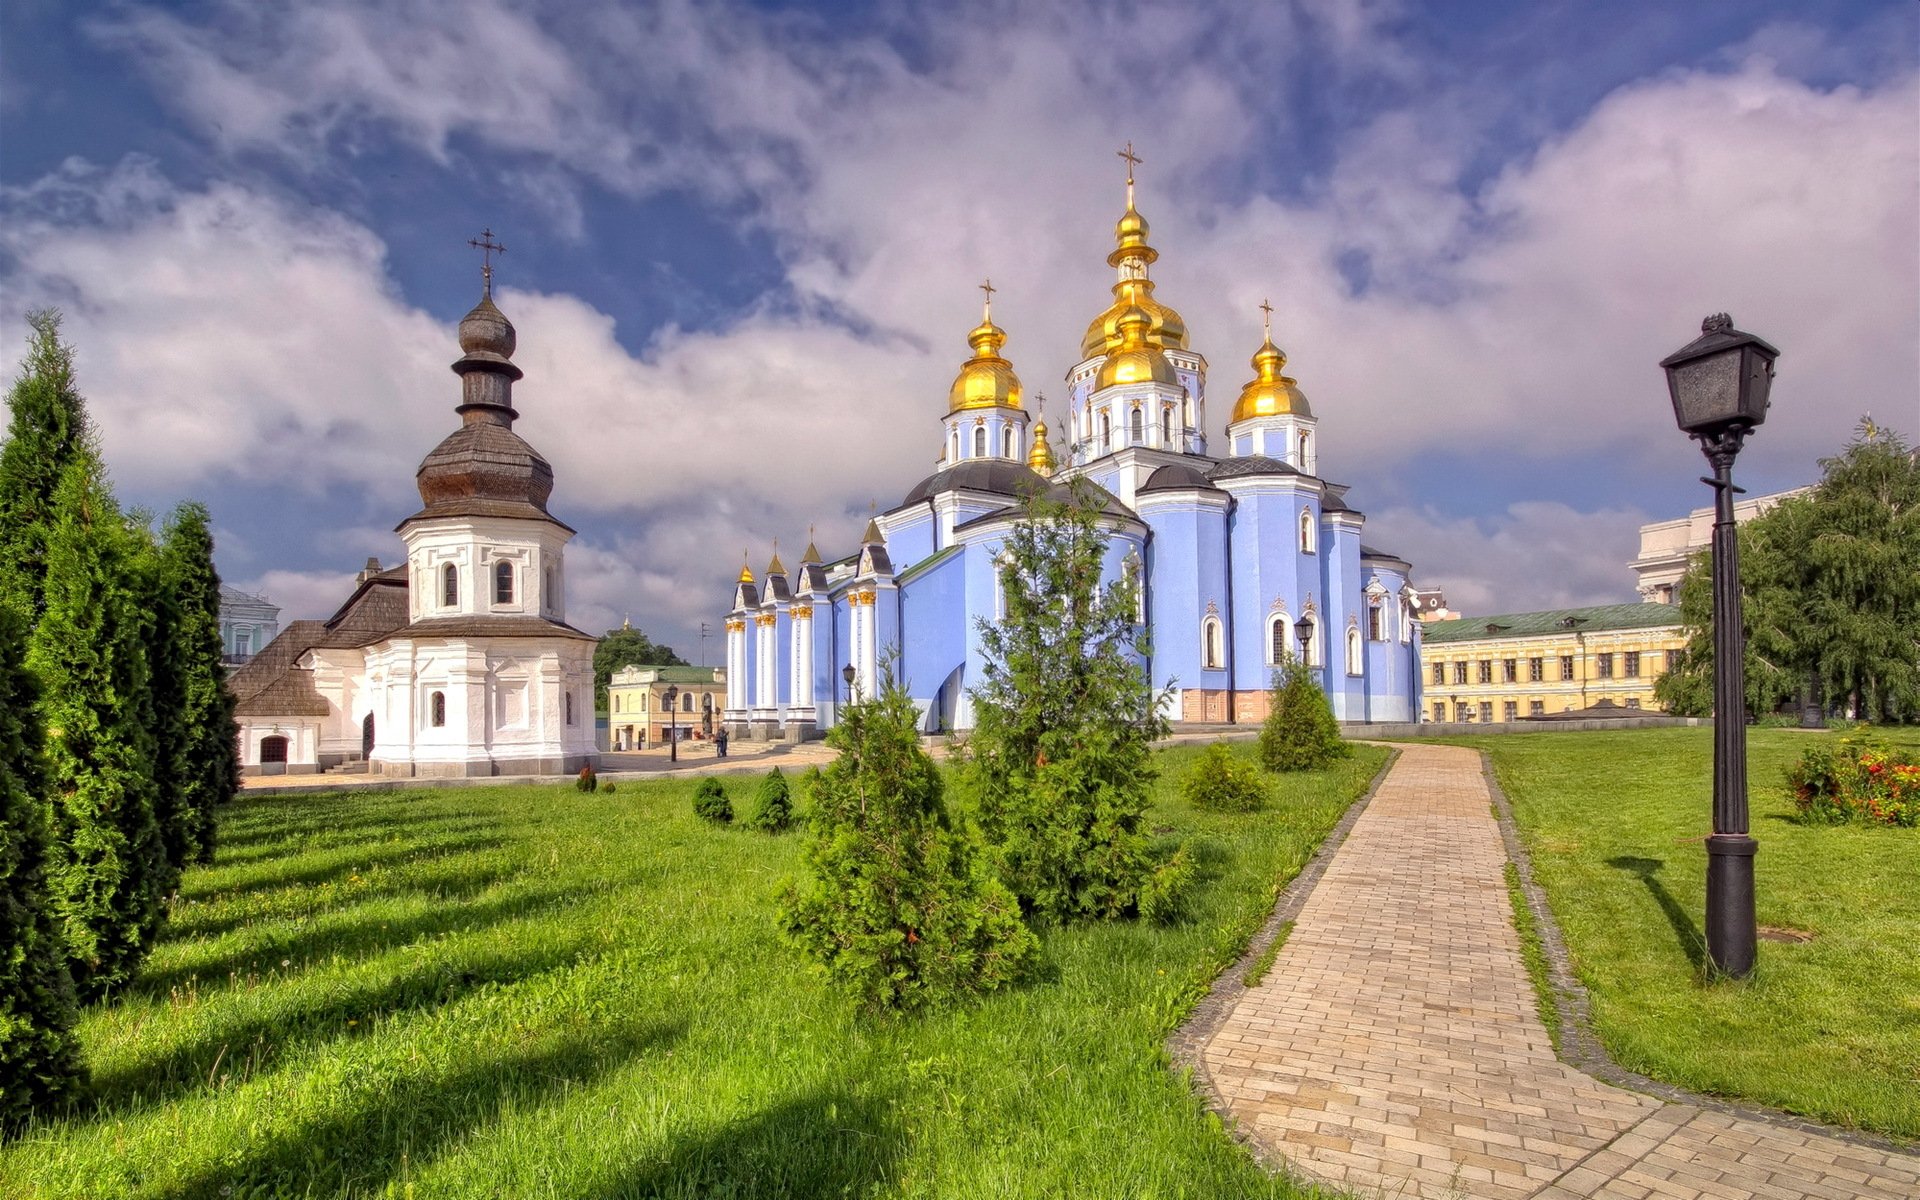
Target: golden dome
(1167, 327)
(1040, 456)
(986, 380)
(1269, 394)
(1136, 359)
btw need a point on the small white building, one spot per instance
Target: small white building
(459, 661)
(1667, 547)
(247, 622)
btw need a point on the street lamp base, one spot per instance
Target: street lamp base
(1730, 919)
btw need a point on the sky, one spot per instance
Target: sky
(744, 241)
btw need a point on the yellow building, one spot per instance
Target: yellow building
(1539, 664)
(637, 713)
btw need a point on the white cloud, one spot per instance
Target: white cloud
(301, 595)
(1535, 555)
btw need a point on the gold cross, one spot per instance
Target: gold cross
(1267, 319)
(989, 289)
(1133, 160)
(487, 248)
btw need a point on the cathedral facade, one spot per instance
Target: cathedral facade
(1243, 557)
(458, 661)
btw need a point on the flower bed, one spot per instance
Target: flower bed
(1856, 782)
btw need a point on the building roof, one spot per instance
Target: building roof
(1251, 464)
(268, 684)
(1178, 477)
(708, 675)
(1000, 476)
(479, 627)
(1596, 619)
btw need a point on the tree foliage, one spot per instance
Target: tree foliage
(1299, 733)
(1064, 719)
(108, 872)
(710, 802)
(627, 647)
(46, 430)
(39, 1055)
(773, 809)
(898, 906)
(1830, 590)
(1220, 782)
(202, 765)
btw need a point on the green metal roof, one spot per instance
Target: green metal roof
(673, 674)
(1560, 620)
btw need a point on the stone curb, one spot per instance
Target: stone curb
(1576, 1043)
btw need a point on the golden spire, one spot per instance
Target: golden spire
(776, 567)
(1134, 288)
(1269, 393)
(811, 557)
(746, 572)
(986, 380)
(1040, 454)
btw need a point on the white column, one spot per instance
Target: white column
(736, 663)
(869, 641)
(802, 690)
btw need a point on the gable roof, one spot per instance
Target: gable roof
(1594, 619)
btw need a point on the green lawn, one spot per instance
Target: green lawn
(530, 992)
(1830, 1027)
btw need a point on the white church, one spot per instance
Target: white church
(458, 662)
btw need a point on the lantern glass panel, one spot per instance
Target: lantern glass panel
(1706, 391)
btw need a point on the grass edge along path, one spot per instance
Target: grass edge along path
(1610, 827)
(536, 992)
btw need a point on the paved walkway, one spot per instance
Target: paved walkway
(1394, 1048)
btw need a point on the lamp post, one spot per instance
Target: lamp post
(1719, 384)
(1303, 629)
(673, 724)
(846, 676)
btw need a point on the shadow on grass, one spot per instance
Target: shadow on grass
(239, 1050)
(831, 1144)
(348, 938)
(341, 862)
(455, 880)
(288, 841)
(1692, 943)
(394, 1126)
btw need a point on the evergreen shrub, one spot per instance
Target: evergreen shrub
(710, 802)
(606, 786)
(1220, 782)
(586, 781)
(774, 810)
(898, 906)
(1300, 733)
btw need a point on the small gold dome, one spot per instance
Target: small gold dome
(1136, 359)
(1040, 456)
(1167, 327)
(986, 380)
(1270, 394)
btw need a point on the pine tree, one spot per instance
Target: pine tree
(39, 1055)
(773, 810)
(46, 430)
(1060, 758)
(898, 908)
(1299, 733)
(108, 872)
(201, 764)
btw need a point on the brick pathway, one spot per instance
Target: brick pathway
(1394, 1048)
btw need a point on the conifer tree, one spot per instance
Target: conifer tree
(47, 428)
(200, 763)
(1060, 758)
(898, 908)
(1299, 733)
(39, 1054)
(108, 872)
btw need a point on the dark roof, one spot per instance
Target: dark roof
(1252, 464)
(881, 561)
(268, 684)
(1333, 498)
(777, 589)
(1367, 551)
(491, 627)
(1177, 477)
(484, 469)
(376, 608)
(1595, 619)
(1601, 710)
(811, 577)
(1000, 476)
(1060, 491)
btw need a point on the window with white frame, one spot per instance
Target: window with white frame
(1006, 443)
(1212, 650)
(1306, 531)
(1356, 653)
(503, 583)
(1279, 649)
(449, 586)
(979, 441)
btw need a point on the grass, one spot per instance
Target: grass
(1829, 1028)
(1534, 955)
(534, 992)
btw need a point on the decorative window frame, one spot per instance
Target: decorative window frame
(1356, 650)
(1309, 532)
(1213, 643)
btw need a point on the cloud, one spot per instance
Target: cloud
(1532, 556)
(301, 595)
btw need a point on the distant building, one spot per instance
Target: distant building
(1666, 547)
(1430, 604)
(247, 623)
(637, 715)
(1538, 664)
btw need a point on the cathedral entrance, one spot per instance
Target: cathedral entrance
(366, 737)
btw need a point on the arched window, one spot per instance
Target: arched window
(1376, 620)
(1306, 531)
(1006, 442)
(1138, 425)
(273, 749)
(449, 586)
(1356, 652)
(1406, 620)
(1304, 445)
(979, 441)
(953, 445)
(1166, 426)
(1211, 650)
(569, 707)
(1279, 639)
(437, 709)
(550, 599)
(1106, 431)
(686, 701)
(1186, 411)
(503, 583)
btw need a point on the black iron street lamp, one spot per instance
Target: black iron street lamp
(1719, 384)
(846, 676)
(673, 724)
(1303, 629)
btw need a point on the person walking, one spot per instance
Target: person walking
(720, 742)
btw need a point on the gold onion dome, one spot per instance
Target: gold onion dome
(1269, 393)
(986, 380)
(1040, 456)
(1136, 359)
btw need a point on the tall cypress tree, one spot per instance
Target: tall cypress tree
(108, 871)
(39, 1055)
(46, 430)
(202, 757)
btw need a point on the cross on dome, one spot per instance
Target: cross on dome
(487, 248)
(1266, 318)
(986, 311)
